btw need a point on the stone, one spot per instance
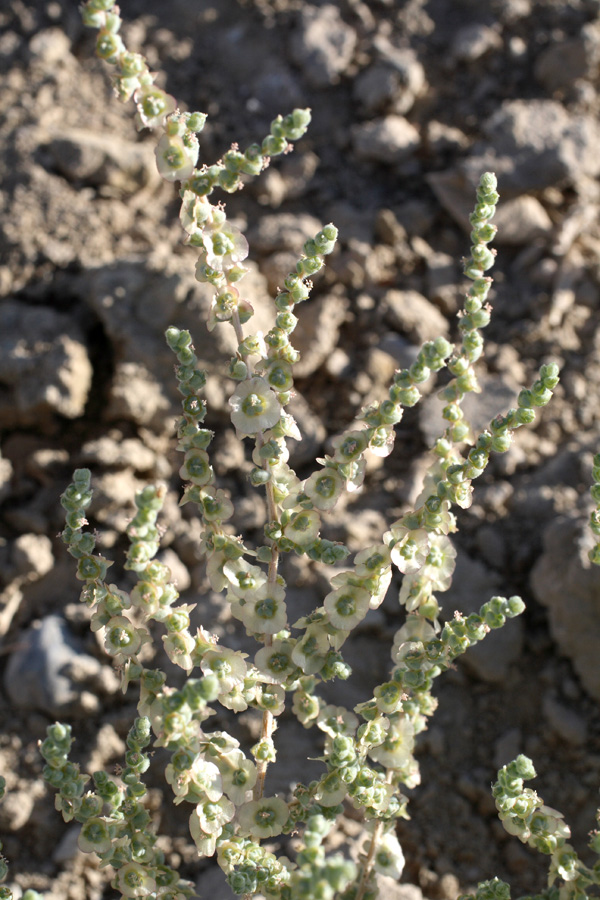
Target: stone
(392, 83)
(46, 670)
(6, 471)
(283, 231)
(137, 396)
(389, 140)
(538, 143)
(32, 556)
(115, 451)
(414, 315)
(560, 64)
(565, 722)
(473, 41)
(44, 366)
(317, 332)
(563, 572)
(322, 44)
(521, 221)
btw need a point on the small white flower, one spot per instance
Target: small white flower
(347, 606)
(175, 161)
(396, 750)
(239, 775)
(303, 527)
(440, 562)
(153, 106)
(389, 858)
(255, 407)
(408, 547)
(264, 611)
(228, 665)
(324, 488)
(263, 818)
(275, 662)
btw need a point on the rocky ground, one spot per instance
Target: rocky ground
(411, 101)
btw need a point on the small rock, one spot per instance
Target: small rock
(392, 83)
(564, 571)
(474, 41)
(413, 314)
(560, 64)
(312, 429)
(180, 576)
(47, 668)
(51, 45)
(44, 366)
(283, 231)
(136, 396)
(538, 144)
(567, 724)
(15, 810)
(521, 221)
(323, 44)
(317, 333)
(5, 477)
(114, 450)
(32, 556)
(507, 747)
(389, 140)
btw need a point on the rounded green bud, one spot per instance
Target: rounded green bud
(259, 476)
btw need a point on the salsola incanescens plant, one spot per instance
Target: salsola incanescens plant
(367, 757)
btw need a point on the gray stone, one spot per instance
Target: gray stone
(521, 221)
(560, 64)
(413, 314)
(392, 83)
(389, 140)
(472, 586)
(115, 451)
(47, 668)
(538, 143)
(311, 428)
(474, 41)
(565, 722)
(317, 332)
(283, 231)
(32, 556)
(44, 366)
(568, 585)
(5, 477)
(137, 396)
(322, 44)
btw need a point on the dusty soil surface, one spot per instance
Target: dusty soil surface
(411, 101)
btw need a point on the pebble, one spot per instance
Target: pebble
(413, 314)
(565, 722)
(474, 41)
(322, 44)
(32, 556)
(521, 221)
(562, 571)
(389, 140)
(115, 450)
(44, 365)
(46, 669)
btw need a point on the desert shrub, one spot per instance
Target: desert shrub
(368, 760)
